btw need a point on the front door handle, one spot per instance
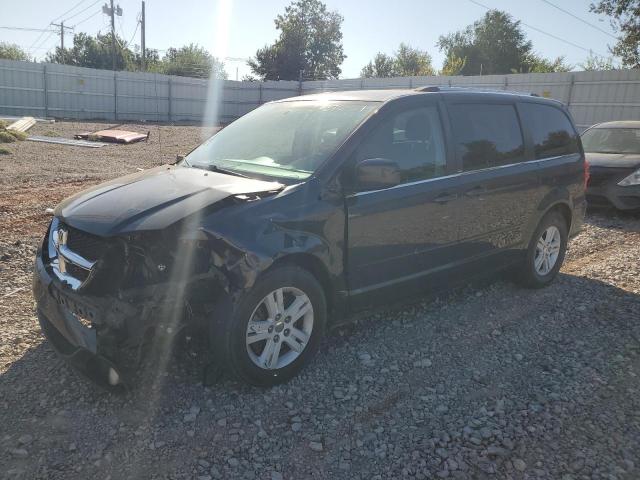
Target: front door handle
(445, 198)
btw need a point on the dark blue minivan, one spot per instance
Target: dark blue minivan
(301, 211)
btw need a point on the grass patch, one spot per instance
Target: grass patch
(18, 135)
(3, 124)
(6, 137)
(50, 133)
(5, 151)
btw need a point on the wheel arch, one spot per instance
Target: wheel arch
(316, 268)
(564, 210)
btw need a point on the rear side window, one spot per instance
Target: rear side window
(486, 135)
(551, 131)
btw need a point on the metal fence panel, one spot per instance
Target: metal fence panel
(21, 88)
(63, 91)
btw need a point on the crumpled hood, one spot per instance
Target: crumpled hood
(152, 199)
(613, 160)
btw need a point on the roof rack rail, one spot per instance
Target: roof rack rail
(446, 88)
(428, 88)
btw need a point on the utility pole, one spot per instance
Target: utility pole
(142, 39)
(62, 27)
(112, 12)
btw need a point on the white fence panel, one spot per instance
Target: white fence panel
(21, 88)
(82, 93)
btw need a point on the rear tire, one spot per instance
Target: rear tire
(545, 253)
(276, 327)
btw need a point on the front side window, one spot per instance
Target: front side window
(611, 140)
(413, 139)
(486, 135)
(551, 131)
(286, 140)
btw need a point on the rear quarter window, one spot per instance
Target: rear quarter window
(487, 135)
(552, 133)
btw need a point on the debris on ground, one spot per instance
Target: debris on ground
(22, 125)
(66, 141)
(8, 119)
(115, 136)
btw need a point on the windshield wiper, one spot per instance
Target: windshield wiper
(217, 169)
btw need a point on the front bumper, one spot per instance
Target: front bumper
(603, 190)
(74, 340)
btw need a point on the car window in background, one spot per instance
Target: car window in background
(551, 131)
(413, 139)
(611, 140)
(486, 135)
(285, 140)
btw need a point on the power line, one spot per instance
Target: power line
(560, 39)
(71, 9)
(25, 29)
(87, 18)
(579, 19)
(82, 11)
(33, 45)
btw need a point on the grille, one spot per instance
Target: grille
(84, 244)
(77, 272)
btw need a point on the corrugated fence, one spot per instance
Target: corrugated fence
(52, 90)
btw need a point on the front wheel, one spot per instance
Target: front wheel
(546, 252)
(277, 327)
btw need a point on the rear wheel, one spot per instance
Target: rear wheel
(277, 327)
(546, 252)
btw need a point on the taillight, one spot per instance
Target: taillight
(586, 174)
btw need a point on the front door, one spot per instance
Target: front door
(398, 234)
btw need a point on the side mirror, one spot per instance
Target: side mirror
(376, 174)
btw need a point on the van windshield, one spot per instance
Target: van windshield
(286, 140)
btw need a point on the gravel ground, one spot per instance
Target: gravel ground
(490, 381)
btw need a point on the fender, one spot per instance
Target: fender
(557, 196)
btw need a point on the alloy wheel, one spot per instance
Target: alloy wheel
(547, 250)
(279, 328)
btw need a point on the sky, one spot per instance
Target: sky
(237, 28)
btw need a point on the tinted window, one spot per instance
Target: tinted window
(551, 130)
(486, 135)
(413, 139)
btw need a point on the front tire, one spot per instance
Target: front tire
(276, 328)
(545, 253)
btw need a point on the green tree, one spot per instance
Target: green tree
(452, 65)
(625, 17)
(405, 62)
(310, 41)
(382, 66)
(11, 51)
(495, 44)
(411, 62)
(537, 64)
(192, 61)
(94, 52)
(594, 62)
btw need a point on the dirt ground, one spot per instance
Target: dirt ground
(490, 381)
